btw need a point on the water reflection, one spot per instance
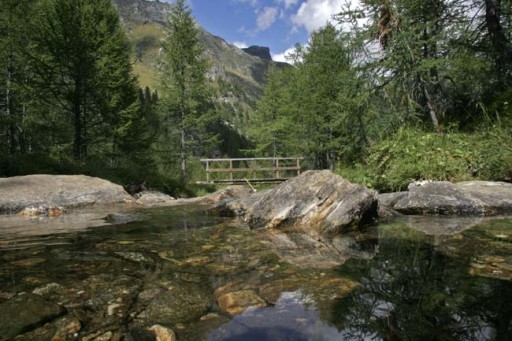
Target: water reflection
(392, 282)
(415, 291)
(290, 319)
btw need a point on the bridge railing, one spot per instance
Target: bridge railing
(264, 169)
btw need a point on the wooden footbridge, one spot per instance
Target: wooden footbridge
(251, 170)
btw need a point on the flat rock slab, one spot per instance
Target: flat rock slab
(469, 198)
(67, 191)
(320, 203)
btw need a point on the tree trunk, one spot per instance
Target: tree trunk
(431, 109)
(183, 154)
(77, 120)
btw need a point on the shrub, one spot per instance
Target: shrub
(412, 154)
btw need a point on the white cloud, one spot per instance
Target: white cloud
(240, 44)
(314, 14)
(266, 17)
(282, 57)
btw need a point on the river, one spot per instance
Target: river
(211, 278)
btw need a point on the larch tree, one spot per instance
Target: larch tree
(186, 101)
(13, 75)
(82, 65)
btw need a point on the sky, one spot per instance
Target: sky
(277, 24)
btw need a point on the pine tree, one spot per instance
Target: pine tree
(187, 103)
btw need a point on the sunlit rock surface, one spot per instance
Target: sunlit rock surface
(319, 203)
(463, 198)
(67, 191)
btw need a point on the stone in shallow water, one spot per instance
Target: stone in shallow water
(181, 304)
(26, 312)
(67, 328)
(162, 333)
(237, 302)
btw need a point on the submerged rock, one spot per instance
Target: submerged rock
(237, 302)
(58, 191)
(26, 312)
(180, 304)
(162, 333)
(317, 202)
(463, 198)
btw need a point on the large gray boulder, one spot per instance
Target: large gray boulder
(470, 198)
(66, 191)
(319, 203)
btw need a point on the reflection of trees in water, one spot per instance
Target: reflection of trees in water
(411, 291)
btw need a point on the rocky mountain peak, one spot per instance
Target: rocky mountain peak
(262, 52)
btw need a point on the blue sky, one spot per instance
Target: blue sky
(278, 24)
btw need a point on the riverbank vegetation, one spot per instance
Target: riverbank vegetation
(398, 91)
(391, 92)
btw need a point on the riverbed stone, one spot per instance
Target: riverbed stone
(179, 304)
(163, 333)
(476, 198)
(237, 302)
(318, 202)
(67, 328)
(26, 312)
(66, 191)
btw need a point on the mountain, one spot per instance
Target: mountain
(237, 75)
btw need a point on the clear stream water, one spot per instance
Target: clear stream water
(174, 265)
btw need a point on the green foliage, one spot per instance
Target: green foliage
(81, 62)
(187, 106)
(412, 154)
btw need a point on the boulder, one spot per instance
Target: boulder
(470, 198)
(60, 191)
(319, 203)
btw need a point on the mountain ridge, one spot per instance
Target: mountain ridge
(237, 75)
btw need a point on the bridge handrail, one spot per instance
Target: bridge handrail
(254, 159)
(277, 169)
